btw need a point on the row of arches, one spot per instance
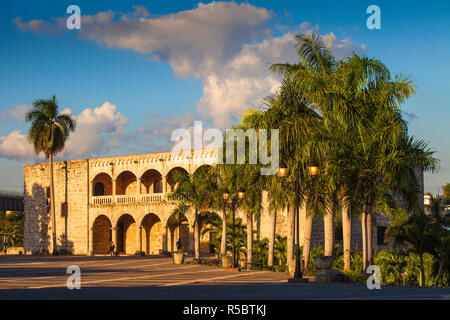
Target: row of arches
(150, 237)
(151, 181)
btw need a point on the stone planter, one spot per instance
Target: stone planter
(226, 262)
(324, 263)
(178, 258)
(323, 273)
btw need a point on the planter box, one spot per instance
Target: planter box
(226, 262)
(178, 258)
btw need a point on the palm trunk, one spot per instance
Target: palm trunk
(422, 271)
(369, 238)
(52, 206)
(272, 239)
(307, 241)
(290, 235)
(196, 237)
(249, 241)
(364, 237)
(346, 236)
(223, 244)
(328, 222)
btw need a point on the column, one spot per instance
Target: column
(114, 237)
(139, 239)
(191, 240)
(138, 190)
(164, 239)
(164, 184)
(114, 184)
(91, 241)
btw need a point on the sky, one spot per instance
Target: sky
(137, 70)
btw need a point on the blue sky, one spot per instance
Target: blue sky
(139, 69)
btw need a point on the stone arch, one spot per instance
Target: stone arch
(126, 183)
(126, 241)
(177, 228)
(152, 234)
(101, 235)
(202, 167)
(171, 183)
(102, 185)
(151, 182)
(210, 223)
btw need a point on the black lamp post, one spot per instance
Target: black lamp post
(313, 169)
(232, 204)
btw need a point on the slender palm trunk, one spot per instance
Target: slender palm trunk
(307, 241)
(223, 244)
(52, 206)
(364, 237)
(346, 236)
(272, 239)
(328, 222)
(249, 241)
(369, 238)
(290, 235)
(422, 271)
(196, 237)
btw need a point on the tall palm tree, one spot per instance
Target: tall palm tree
(48, 133)
(277, 200)
(194, 192)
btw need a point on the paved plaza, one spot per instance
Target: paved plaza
(132, 277)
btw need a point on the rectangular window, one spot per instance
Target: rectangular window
(338, 234)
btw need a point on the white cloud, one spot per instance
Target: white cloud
(15, 146)
(97, 131)
(228, 46)
(18, 113)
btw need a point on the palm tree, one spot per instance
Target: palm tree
(417, 232)
(277, 200)
(194, 192)
(48, 133)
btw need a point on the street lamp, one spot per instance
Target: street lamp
(232, 204)
(313, 169)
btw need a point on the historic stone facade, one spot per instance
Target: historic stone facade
(124, 199)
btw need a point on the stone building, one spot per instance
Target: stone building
(124, 199)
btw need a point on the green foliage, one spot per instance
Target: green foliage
(14, 225)
(260, 254)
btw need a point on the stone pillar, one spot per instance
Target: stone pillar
(164, 239)
(114, 237)
(91, 241)
(139, 239)
(164, 184)
(191, 239)
(138, 189)
(114, 190)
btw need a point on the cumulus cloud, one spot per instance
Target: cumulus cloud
(98, 130)
(15, 146)
(18, 113)
(228, 46)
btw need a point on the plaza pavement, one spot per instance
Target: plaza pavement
(132, 277)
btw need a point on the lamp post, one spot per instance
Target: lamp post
(313, 170)
(232, 204)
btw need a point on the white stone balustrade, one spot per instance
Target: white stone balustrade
(129, 198)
